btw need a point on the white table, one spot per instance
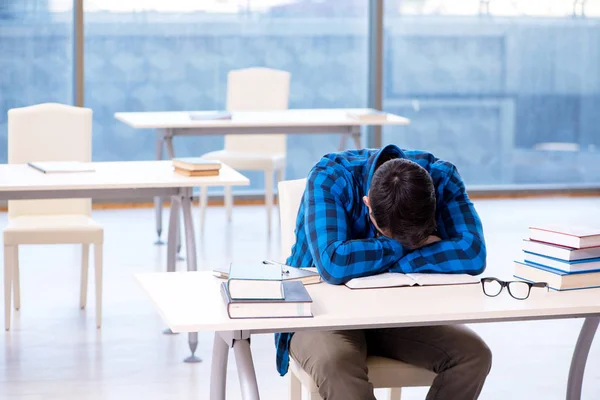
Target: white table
(120, 180)
(179, 297)
(309, 121)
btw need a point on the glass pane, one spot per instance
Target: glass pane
(520, 290)
(509, 91)
(36, 57)
(491, 287)
(175, 55)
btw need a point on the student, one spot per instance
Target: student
(365, 212)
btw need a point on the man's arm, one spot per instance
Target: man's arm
(462, 248)
(337, 257)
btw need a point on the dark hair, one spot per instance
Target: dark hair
(402, 199)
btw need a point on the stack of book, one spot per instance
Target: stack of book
(195, 166)
(565, 258)
(257, 290)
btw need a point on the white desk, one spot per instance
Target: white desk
(178, 298)
(309, 121)
(119, 180)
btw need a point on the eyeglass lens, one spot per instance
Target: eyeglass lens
(519, 290)
(491, 287)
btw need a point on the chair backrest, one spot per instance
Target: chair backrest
(257, 89)
(49, 132)
(290, 195)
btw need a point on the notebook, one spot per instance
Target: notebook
(50, 167)
(255, 281)
(307, 276)
(394, 279)
(297, 303)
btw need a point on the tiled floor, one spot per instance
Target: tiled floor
(54, 351)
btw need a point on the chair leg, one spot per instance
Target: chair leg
(395, 394)
(269, 197)
(16, 278)
(280, 178)
(295, 388)
(85, 260)
(8, 269)
(203, 204)
(98, 270)
(228, 201)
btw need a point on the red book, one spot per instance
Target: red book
(576, 237)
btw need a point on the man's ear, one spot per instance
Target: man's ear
(366, 201)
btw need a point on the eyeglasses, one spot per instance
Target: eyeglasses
(518, 289)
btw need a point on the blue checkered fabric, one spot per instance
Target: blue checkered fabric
(334, 232)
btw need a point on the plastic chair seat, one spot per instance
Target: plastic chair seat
(52, 229)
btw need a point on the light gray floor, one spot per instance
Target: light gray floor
(54, 351)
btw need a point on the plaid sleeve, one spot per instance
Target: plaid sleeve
(338, 258)
(462, 248)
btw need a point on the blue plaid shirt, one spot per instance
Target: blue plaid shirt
(334, 232)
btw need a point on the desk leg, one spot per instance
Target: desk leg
(190, 246)
(171, 154)
(218, 371)
(356, 137)
(158, 200)
(580, 355)
(245, 367)
(171, 250)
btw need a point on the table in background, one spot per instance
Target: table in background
(118, 180)
(179, 296)
(302, 121)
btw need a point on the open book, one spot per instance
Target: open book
(394, 279)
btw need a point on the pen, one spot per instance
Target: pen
(285, 270)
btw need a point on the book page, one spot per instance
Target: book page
(443, 279)
(387, 279)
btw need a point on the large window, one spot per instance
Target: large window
(507, 90)
(36, 56)
(175, 55)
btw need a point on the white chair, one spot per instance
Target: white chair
(50, 132)
(383, 372)
(253, 89)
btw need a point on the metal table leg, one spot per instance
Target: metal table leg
(580, 355)
(245, 367)
(158, 200)
(218, 372)
(190, 246)
(171, 153)
(171, 242)
(356, 137)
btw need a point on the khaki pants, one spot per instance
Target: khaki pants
(337, 360)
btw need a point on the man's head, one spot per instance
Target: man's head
(401, 202)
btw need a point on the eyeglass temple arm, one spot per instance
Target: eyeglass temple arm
(541, 284)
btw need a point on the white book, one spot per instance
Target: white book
(394, 279)
(560, 252)
(368, 115)
(50, 167)
(576, 237)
